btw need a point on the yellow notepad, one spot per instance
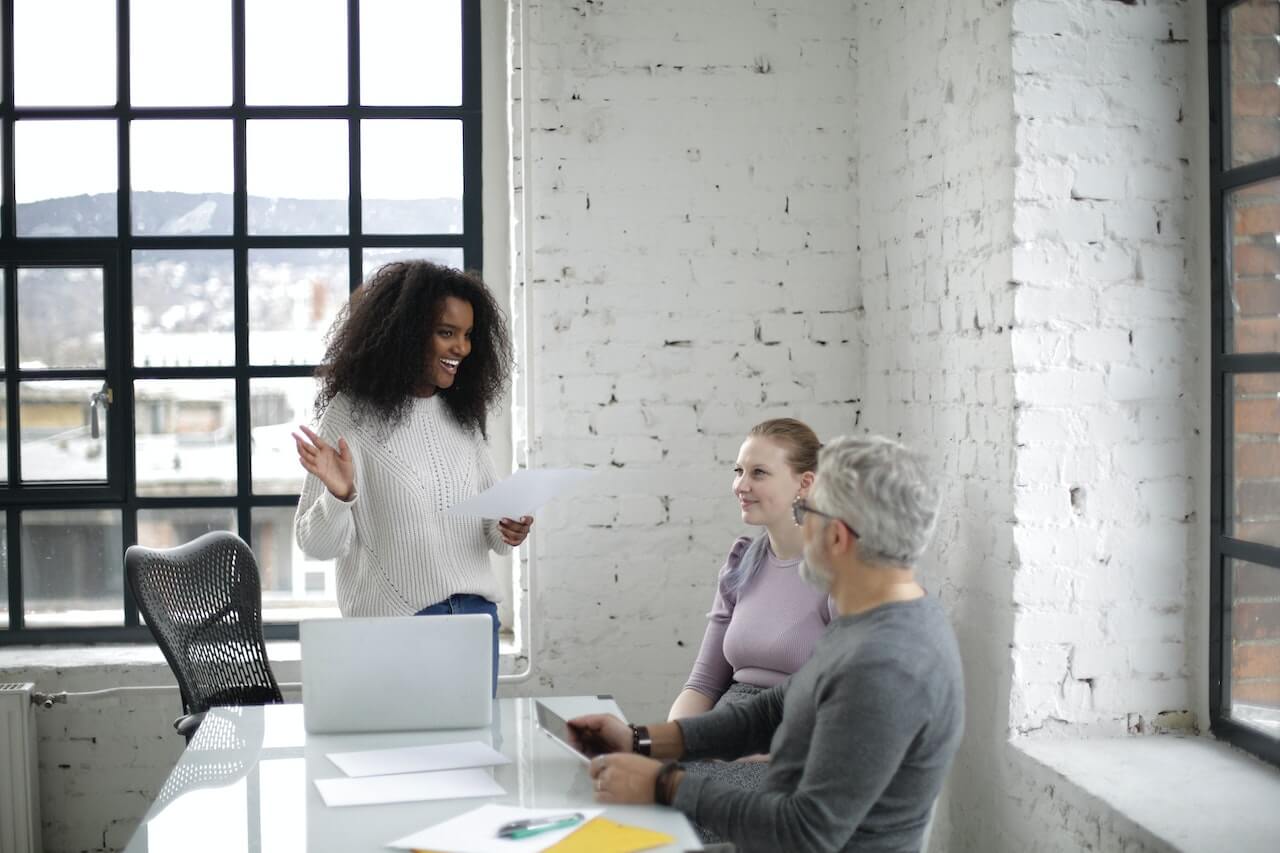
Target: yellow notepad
(602, 835)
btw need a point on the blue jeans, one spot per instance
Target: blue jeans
(468, 603)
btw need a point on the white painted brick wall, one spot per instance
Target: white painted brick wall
(935, 234)
(691, 182)
(1108, 415)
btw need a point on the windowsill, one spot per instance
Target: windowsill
(1190, 794)
(283, 654)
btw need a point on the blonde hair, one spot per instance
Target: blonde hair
(796, 437)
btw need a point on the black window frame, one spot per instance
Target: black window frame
(1223, 179)
(114, 255)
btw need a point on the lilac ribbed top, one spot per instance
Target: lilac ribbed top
(762, 634)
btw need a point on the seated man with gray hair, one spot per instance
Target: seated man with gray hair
(861, 737)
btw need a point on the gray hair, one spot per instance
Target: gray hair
(883, 491)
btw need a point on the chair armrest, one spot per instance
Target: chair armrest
(187, 724)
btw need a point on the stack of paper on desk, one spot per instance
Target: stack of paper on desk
(418, 759)
(410, 774)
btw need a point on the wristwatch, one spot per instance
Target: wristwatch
(641, 743)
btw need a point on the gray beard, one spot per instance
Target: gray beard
(815, 578)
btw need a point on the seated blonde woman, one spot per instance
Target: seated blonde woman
(765, 619)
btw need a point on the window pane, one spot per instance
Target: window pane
(1256, 457)
(60, 323)
(72, 567)
(181, 53)
(64, 53)
(298, 177)
(168, 528)
(1254, 317)
(294, 586)
(186, 436)
(278, 407)
(296, 51)
(375, 258)
(66, 178)
(294, 294)
(183, 308)
(1255, 645)
(4, 579)
(411, 174)
(4, 435)
(57, 436)
(411, 52)
(1254, 60)
(4, 284)
(181, 173)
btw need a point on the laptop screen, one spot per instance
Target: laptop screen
(384, 673)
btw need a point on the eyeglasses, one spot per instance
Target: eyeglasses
(799, 507)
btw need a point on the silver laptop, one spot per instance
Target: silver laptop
(385, 674)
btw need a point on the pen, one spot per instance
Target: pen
(532, 826)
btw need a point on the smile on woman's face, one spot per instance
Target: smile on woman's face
(763, 482)
(448, 345)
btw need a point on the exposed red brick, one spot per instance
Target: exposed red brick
(1257, 297)
(1255, 621)
(1255, 99)
(1255, 660)
(1255, 59)
(1253, 18)
(1249, 580)
(1246, 384)
(1257, 417)
(1266, 693)
(1266, 532)
(1255, 258)
(1257, 334)
(1258, 500)
(1254, 139)
(1257, 460)
(1259, 219)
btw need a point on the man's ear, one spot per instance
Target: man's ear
(841, 540)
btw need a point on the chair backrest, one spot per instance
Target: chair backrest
(203, 604)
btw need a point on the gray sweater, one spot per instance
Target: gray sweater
(861, 739)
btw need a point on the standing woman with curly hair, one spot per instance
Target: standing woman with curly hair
(416, 360)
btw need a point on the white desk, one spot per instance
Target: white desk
(246, 782)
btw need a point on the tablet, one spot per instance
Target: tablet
(553, 724)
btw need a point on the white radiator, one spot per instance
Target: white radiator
(19, 782)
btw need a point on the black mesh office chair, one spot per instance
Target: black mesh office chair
(203, 604)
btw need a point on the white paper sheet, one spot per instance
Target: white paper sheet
(476, 831)
(520, 494)
(418, 759)
(409, 787)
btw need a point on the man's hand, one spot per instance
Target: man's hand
(598, 734)
(624, 778)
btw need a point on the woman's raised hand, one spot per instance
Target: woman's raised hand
(331, 465)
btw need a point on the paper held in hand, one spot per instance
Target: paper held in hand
(522, 493)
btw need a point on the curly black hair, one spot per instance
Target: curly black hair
(376, 347)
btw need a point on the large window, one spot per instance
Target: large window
(190, 190)
(1244, 63)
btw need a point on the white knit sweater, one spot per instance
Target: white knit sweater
(397, 551)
